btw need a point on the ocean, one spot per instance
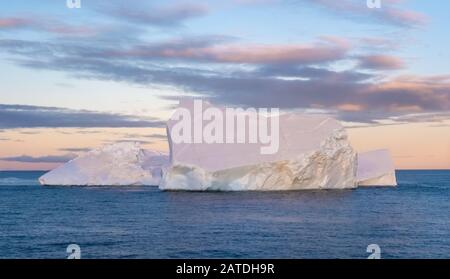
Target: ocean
(409, 221)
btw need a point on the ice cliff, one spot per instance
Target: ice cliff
(375, 168)
(117, 164)
(314, 153)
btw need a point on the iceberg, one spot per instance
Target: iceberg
(314, 153)
(116, 164)
(376, 168)
(298, 151)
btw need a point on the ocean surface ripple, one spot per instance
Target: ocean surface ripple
(410, 221)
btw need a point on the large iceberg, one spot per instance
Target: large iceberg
(116, 164)
(314, 153)
(310, 152)
(376, 168)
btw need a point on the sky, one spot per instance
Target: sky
(72, 79)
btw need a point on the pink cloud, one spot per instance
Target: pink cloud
(14, 22)
(276, 54)
(381, 62)
(46, 25)
(329, 49)
(413, 93)
(404, 17)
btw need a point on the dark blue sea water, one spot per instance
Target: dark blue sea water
(410, 221)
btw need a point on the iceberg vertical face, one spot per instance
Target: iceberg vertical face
(376, 168)
(116, 164)
(313, 153)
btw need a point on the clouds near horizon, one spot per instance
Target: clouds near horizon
(25, 116)
(41, 159)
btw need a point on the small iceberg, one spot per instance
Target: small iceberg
(111, 165)
(376, 168)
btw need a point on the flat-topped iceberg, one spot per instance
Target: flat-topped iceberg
(376, 168)
(258, 152)
(314, 153)
(116, 164)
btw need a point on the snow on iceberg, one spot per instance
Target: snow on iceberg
(314, 153)
(375, 168)
(116, 164)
